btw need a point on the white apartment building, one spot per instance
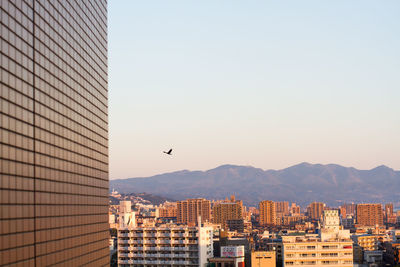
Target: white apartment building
(331, 247)
(166, 245)
(311, 251)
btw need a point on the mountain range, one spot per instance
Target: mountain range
(302, 183)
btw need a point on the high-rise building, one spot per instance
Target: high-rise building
(350, 209)
(281, 210)
(282, 207)
(342, 211)
(228, 210)
(294, 209)
(53, 133)
(389, 215)
(189, 210)
(369, 214)
(389, 209)
(316, 210)
(267, 212)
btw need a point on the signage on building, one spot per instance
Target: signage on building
(232, 252)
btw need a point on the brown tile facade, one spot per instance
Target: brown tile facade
(369, 214)
(53, 133)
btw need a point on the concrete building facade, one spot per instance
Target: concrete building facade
(166, 245)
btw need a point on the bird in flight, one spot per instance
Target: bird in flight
(169, 152)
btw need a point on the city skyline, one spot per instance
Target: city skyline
(95, 90)
(263, 84)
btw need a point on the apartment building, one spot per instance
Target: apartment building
(190, 209)
(367, 242)
(165, 245)
(294, 209)
(350, 209)
(282, 208)
(291, 220)
(228, 210)
(267, 212)
(332, 246)
(312, 251)
(168, 210)
(369, 214)
(315, 210)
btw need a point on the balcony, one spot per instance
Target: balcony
(150, 235)
(133, 241)
(130, 234)
(180, 234)
(123, 234)
(181, 248)
(157, 248)
(182, 262)
(163, 235)
(161, 241)
(135, 248)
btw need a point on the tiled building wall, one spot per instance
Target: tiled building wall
(53, 133)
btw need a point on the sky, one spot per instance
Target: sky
(268, 84)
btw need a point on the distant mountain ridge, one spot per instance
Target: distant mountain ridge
(302, 183)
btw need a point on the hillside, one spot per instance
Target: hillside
(302, 183)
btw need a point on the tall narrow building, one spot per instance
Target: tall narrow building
(53, 133)
(389, 209)
(316, 210)
(267, 212)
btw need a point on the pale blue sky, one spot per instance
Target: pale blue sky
(262, 83)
